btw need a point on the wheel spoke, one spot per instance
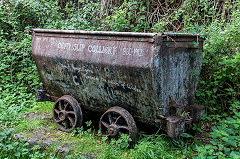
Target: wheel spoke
(71, 120)
(56, 111)
(66, 106)
(117, 119)
(123, 127)
(71, 112)
(60, 121)
(67, 124)
(110, 118)
(105, 124)
(62, 104)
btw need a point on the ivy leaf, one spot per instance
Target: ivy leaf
(17, 154)
(186, 135)
(235, 155)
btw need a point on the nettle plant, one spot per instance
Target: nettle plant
(130, 16)
(11, 148)
(225, 141)
(220, 84)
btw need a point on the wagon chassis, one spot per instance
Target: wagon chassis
(175, 125)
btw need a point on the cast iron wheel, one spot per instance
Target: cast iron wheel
(67, 113)
(116, 121)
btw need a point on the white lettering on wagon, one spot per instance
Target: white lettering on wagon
(77, 73)
(133, 51)
(78, 47)
(71, 47)
(124, 85)
(101, 49)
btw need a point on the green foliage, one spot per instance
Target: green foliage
(192, 15)
(82, 16)
(157, 146)
(225, 137)
(148, 146)
(8, 145)
(218, 89)
(124, 17)
(220, 83)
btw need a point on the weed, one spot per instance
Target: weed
(218, 89)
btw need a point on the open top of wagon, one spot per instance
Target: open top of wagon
(145, 77)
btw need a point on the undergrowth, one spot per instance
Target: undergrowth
(11, 148)
(218, 89)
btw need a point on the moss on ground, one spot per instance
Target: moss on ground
(86, 141)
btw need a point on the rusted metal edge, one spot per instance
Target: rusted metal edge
(180, 34)
(136, 34)
(108, 33)
(150, 40)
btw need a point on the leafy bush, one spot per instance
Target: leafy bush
(84, 15)
(148, 146)
(124, 17)
(226, 138)
(219, 85)
(10, 148)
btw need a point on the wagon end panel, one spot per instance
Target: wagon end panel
(177, 67)
(100, 70)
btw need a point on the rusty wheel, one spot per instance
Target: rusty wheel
(67, 113)
(116, 121)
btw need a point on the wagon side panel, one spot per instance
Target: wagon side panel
(99, 71)
(177, 66)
